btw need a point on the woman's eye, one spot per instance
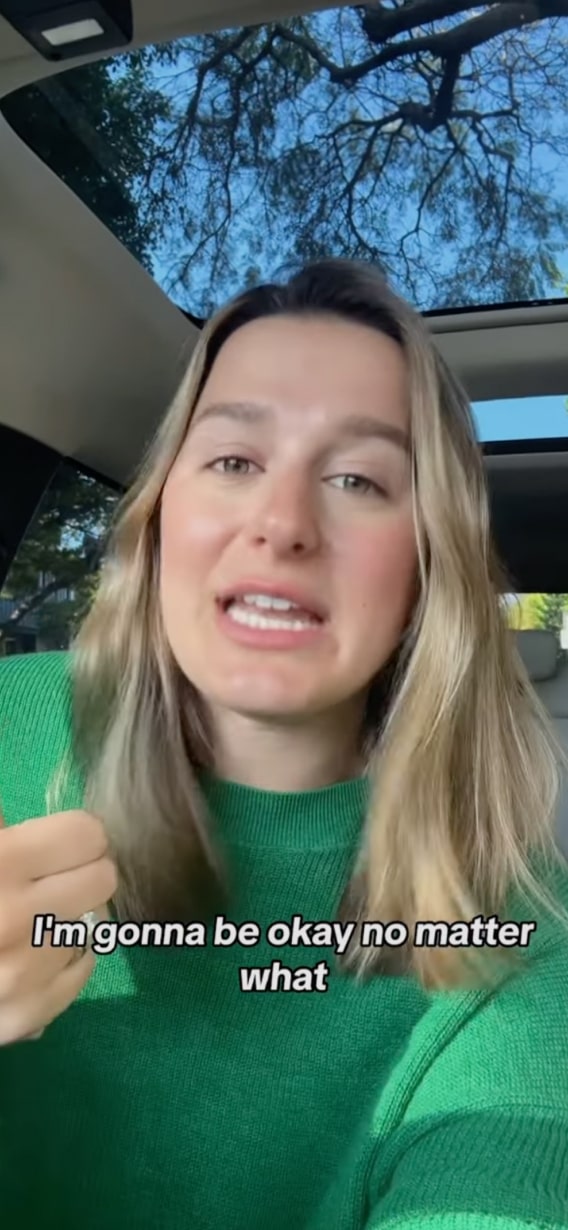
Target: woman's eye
(237, 466)
(359, 484)
(229, 465)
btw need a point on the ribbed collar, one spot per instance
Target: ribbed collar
(297, 820)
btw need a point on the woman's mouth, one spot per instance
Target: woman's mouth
(260, 612)
(263, 619)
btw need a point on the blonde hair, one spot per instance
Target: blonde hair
(461, 757)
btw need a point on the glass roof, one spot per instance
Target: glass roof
(438, 149)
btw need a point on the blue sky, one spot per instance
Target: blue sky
(526, 418)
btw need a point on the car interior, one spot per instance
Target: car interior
(93, 343)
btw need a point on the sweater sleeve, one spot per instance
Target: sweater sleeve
(493, 1169)
(481, 1139)
(35, 733)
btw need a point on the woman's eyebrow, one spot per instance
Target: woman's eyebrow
(357, 426)
(237, 411)
(365, 426)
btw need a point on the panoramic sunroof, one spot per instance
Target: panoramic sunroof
(438, 149)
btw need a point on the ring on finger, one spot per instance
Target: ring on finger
(90, 919)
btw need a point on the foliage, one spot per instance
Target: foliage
(95, 126)
(521, 613)
(537, 611)
(549, 609)
(61, 551)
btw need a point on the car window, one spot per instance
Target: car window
(547, 611)
(521, 418)
(54, 573)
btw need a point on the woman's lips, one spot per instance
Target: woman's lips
(304, 602)
(264, 636)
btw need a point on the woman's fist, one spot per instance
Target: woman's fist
(56, 865)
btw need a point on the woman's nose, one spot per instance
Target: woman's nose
(286, 519)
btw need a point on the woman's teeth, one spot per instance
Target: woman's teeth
(242, 612)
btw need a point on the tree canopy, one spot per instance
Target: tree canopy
(92, 126)
(61, 551)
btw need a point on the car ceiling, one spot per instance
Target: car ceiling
(91, 349)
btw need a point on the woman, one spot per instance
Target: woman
(294, 700)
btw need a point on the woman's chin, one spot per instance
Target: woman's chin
(265, 699)
(264, 708)
(285, 691)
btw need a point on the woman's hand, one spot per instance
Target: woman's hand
(56, 865)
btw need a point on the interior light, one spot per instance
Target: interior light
(73, 32)
(71, 28)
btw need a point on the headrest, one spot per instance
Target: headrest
(539, 650)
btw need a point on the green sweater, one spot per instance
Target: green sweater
(166, 1098)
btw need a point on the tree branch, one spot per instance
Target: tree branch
(30, 604)
(380, 24)
(227, 47)
(508, 15)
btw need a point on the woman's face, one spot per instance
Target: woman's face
(263, 500)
